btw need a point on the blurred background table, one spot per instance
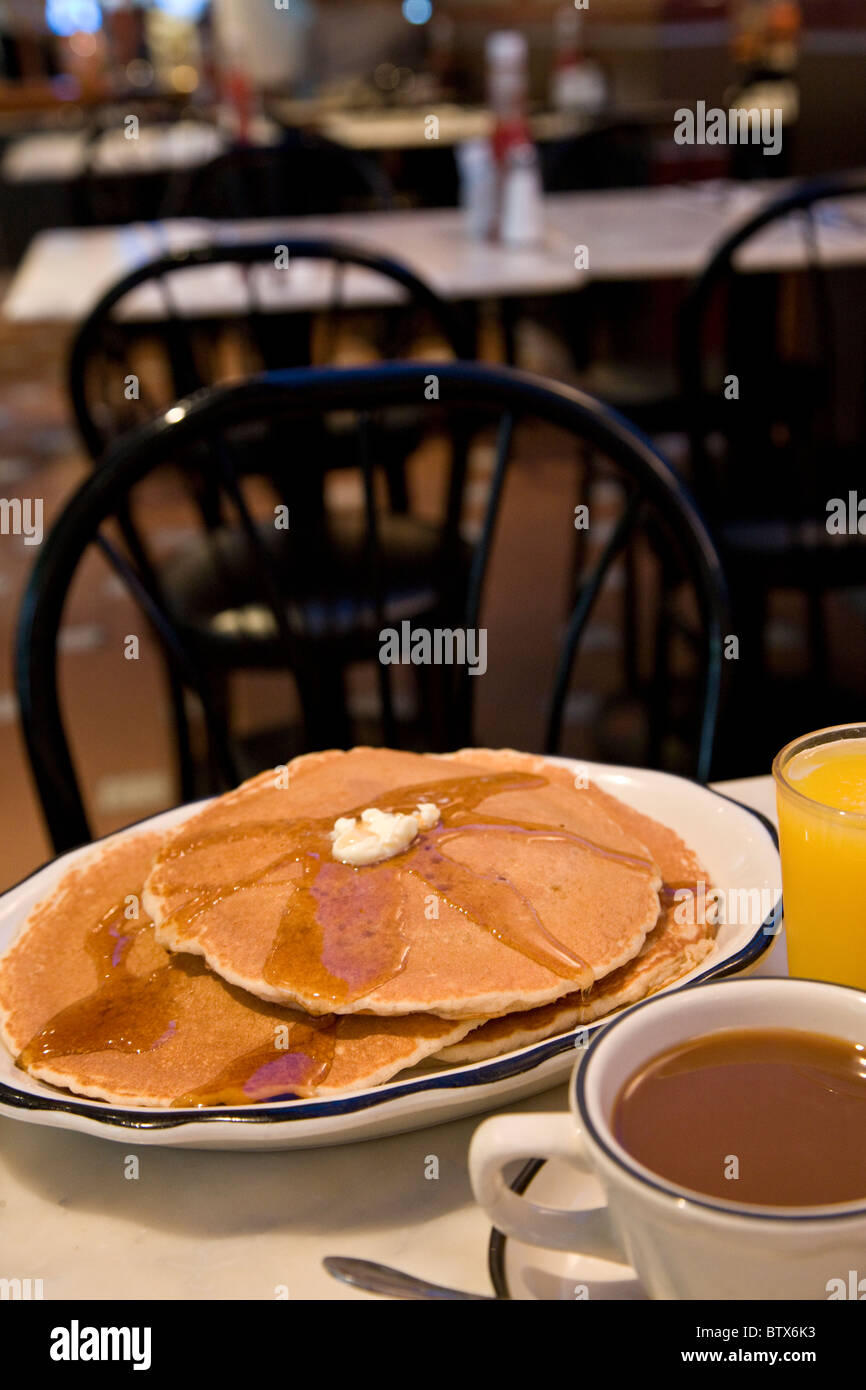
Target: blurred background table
(59, 155)
(406, 127)
(65, 271)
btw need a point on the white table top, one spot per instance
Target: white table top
(630, 234)
(59, 155)
(406, 128)
(230, 1225)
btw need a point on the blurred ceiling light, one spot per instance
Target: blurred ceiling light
(418, 11)
(68, 17)
(183, 9)
(184, 78)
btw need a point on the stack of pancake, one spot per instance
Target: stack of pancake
(235, 960)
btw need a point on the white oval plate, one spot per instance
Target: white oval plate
(737, 845)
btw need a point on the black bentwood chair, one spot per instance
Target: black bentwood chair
(212, 313)
(221, 312)
(301, 609)
(791, 348)
(113, 187)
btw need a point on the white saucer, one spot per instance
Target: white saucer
(525, 1272)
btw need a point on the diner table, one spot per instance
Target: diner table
(60, 155)
(396, 128)
(641, 234)
(645, 234)
(60, 177)
(232, 1225)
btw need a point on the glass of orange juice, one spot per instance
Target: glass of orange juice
(821, 799)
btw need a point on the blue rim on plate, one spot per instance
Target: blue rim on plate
(456, 1079)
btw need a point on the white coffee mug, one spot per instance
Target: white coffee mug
(682, 1244)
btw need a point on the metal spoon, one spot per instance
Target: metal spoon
(365, 1274)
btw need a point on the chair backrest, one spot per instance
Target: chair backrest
(302, 174)
(206, 425)
(170, 348)
(788, 346)
(608, 154)
(129, 165)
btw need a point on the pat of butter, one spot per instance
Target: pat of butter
(377, 835)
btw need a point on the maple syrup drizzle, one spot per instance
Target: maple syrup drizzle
(668, 893)
(269, 1072)
(339, 936)
(125, 1013)
(134, 1014)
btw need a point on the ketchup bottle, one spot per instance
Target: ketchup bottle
(507, 85)
(507, 55)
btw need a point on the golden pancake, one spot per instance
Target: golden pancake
(89, 1001)
(681, 939)
(523, 891)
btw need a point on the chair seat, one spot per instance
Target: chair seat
(646, 392)
(638, 383)
(217, 599)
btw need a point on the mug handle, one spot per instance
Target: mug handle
(505, 1138)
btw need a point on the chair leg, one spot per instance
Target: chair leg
(321, 689)
(439, 729)
(224, 771)
(745, 742)
(586, 479)
(184, 764)
(660, 684)
(398, 488)
(631, 620)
